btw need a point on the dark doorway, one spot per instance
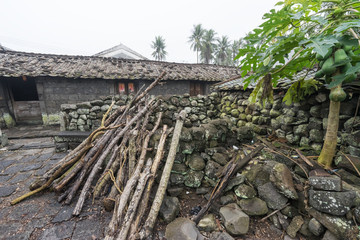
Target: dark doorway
(25, 100)
(24, 89)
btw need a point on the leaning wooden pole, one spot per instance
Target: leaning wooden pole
(100, 161)
(154, 211)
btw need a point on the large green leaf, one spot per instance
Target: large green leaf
(321, 45)
(354, 69)
(337, 80)
(346, 25)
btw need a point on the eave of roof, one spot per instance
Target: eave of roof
(16, 64)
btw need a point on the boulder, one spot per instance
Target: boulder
(182, 229)
(271, 196)
(169, 209)
(327, 182)
(235, 221)
(340, 227)
(253, 207)
(281, 177)
(335, 203)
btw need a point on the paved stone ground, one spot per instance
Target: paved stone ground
(40, 216)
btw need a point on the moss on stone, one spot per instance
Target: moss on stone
(9, 121)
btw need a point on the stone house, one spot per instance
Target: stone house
(33, 86)
(121, 51)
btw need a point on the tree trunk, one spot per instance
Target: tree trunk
(328, 150)
(100, 161)
(150, 221)
(145, 200)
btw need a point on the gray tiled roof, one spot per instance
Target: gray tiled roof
(238, 83)
(16, 64)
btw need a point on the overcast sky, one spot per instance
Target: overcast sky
(77, 27)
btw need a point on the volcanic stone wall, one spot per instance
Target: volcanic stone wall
(300, 124)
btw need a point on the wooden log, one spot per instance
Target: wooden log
(145, 200)
(154, 211)
(133, 205)
(101, 159)
(116, 219)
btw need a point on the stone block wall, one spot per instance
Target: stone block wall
(301, 124)
(86, 116)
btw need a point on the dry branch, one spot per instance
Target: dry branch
(150, 221)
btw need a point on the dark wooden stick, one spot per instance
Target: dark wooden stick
(236, 164)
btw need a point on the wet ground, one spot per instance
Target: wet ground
(31, 153)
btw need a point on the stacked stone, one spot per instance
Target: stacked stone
(87, 116)
(351, 136)
(200, 109)
(201, 155)
(301, 123)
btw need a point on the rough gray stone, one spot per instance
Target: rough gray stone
(207, 223)
(211, 169)
(169, 209)
(301, 130)
(177, 179)
(352, 123)
(196, 162)
(193, 179)
(235, 221)
(327, 183)
(220, 236)
(316, 227)
(335, 203)
(220, 158)
(316, 135)
(271, 196)
(229, 198)
(295, 226)
(315, 111)
(315, 123)
(182, 229)
(237, 180)
(82, 111)
(253, 207)
(281, 177)
(329, 236)
(339, 226)
(245, 191)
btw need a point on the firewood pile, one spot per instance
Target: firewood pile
(115, 157)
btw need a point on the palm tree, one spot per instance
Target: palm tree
(223, 51)
(195, 39)
(208, 46)
(159, 48)
(235, 46)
